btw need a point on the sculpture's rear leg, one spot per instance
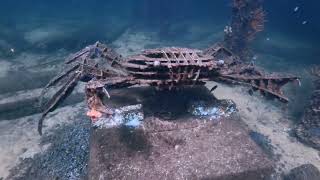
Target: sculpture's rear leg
(72, 75)
(59, 97)
(56, 80)
(94, 61)
(269, 86)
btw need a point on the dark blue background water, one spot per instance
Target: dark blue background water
(92, 17)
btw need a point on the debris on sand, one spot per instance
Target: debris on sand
(306, 171)
(263, 141)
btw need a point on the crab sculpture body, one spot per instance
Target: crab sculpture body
(165, 68)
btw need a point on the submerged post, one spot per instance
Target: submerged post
(248, 19)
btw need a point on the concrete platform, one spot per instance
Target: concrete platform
(185, 147)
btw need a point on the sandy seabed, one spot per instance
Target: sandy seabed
(19, 138)
(273, 122)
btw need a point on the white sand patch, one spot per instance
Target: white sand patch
(44, 34)
(273, 122)
(5, 67)
(26, 60)
(20, 139)
(132, 42)
(30, 59)
(37, 62)
(15, 97)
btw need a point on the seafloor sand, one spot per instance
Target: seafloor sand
(19, 138)
(4, 68)
(273, 122)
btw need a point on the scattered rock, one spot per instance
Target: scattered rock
(66, 158)
(263, 141)
(303, 172)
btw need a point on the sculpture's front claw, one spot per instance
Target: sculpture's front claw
(95, 92)
(95, 114)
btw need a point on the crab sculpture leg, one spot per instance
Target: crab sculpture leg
(82, 66)
(234, 71)
(269, 86)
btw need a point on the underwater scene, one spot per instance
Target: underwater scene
(160, 89)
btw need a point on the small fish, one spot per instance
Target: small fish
(296, 9)
(304, 22)
(12, 50)
(268, 39)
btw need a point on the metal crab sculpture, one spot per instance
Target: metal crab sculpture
(102, 68)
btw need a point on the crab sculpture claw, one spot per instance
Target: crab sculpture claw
(94, 114)
(95, 92)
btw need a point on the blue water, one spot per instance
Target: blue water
(36, 36)
(100, 20)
